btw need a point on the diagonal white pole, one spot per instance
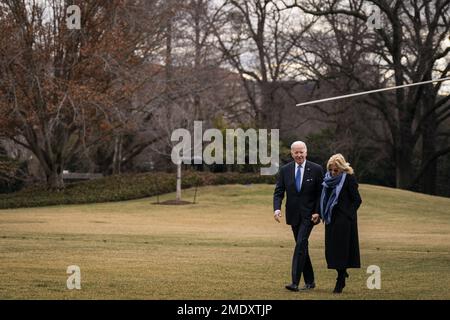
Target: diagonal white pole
(371, 91)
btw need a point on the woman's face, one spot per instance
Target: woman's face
(334, 170)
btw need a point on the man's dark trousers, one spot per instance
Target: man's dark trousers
(301, 263)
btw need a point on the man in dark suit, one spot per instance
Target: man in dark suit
(301, 180)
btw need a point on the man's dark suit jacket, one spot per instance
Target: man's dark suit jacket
(299, 204)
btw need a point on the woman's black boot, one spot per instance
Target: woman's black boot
(340, 281)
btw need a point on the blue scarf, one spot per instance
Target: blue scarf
(332, 187)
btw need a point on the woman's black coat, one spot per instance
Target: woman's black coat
(341, 235)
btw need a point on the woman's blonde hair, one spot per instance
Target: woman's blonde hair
(339, 161)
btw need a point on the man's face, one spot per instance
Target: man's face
(299, 153)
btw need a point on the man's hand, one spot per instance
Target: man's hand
(315, 218)
(277, 215)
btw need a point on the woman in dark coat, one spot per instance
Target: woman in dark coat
(339, 203)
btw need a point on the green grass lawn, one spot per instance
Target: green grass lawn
(227, 246)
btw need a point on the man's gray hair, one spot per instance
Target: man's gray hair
(298, 143)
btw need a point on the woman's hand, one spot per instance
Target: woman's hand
(315, 218)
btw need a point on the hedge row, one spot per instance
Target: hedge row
(123, 187)
(11, 174)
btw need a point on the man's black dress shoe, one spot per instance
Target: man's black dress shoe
(292, 287)
(308, 286)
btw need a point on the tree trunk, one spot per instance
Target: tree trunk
(198, 114)
(168, 53)
(117, 158)
(404, 153)
(403, 167)
(52, 167)
(55, 178)
(267, 107)
(178, 182)
(428, 180)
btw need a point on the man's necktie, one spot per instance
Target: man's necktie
(298, 178)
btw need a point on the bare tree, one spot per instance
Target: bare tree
(257, 38)
(409, 47)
